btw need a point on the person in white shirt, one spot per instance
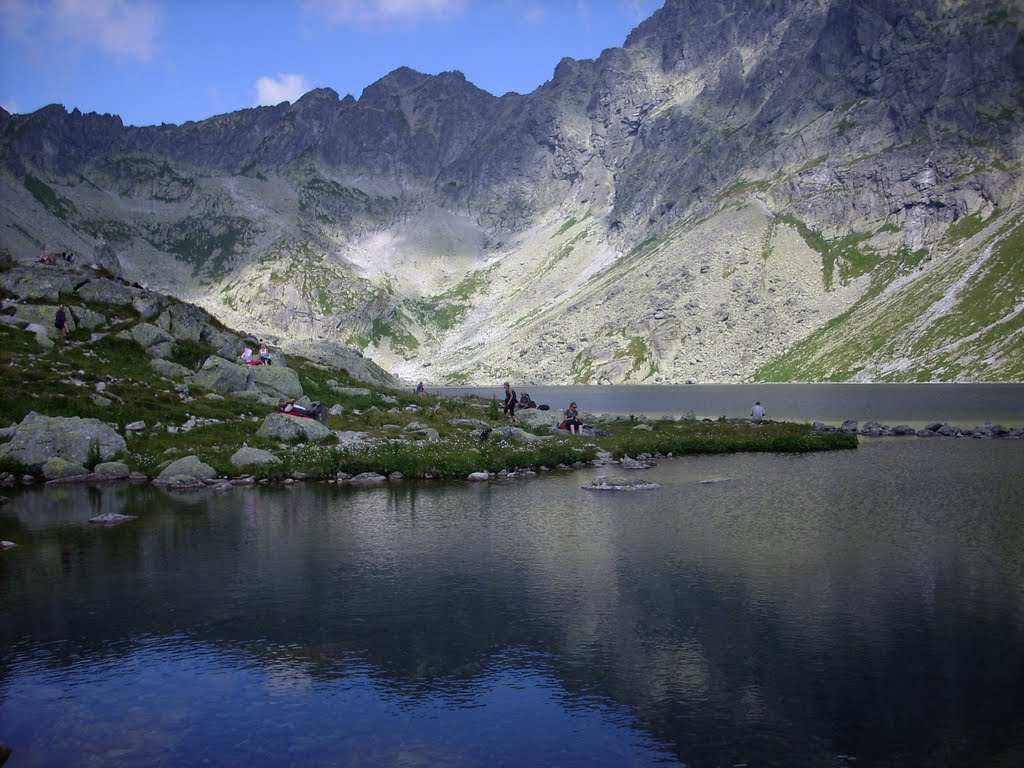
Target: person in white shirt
(758, 412)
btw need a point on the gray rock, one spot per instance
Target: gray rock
(478, 476)
(135, 426)
(39, 438)
(107, 291)
(281, 426)
(534, 417)
(849, 426)
(629, 463)
(274, 380)
(31, 284)
(220, 375)
(149, 335)
(169, 370)
(186, 472)
(367, 478)
(111, 470)
(101, 401)
(612, 483)
(57, 468)
(248, 457)
(474, 423)
(111, 518)
(85, 318)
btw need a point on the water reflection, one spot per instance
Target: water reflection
(804, 608)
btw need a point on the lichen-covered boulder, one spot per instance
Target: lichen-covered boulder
(185, 322)
(111, 470)
(150, 335)
(252, 457)
(168, 369)
(40, 438)
(29, 283)
(107, 291)
(57, 469)
(220, 375)
(534, 417)
(275, 380)
(286, 428)
(186, 472)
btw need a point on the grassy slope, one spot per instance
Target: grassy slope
(61, 382)
(960, 320)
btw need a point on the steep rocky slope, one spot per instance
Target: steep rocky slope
(794, 190)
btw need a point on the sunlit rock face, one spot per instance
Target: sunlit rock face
(800, 190)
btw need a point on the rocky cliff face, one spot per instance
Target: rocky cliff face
(793, 190)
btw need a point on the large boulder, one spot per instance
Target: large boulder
(221, 375)
(168, 369)
(184, 321)
(274, 380)
(40, 438)
(252, 457)
(282, 426)
(44, 283)
(58, 469)
(150, 336)
(534, 417)
(109, 292)
(186, 472)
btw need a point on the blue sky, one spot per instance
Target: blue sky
(170, 61)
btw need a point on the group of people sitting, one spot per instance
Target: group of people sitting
(316, 411)
(512, 402)
(264, 358)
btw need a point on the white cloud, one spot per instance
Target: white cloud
(123, 27)
(285, 88)
(385, 10)
(118, 26)
(535, 13)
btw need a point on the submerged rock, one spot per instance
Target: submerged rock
(604, 483)
(111, 518)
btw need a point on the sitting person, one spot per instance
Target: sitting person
(265, 357)
(248, 359)
(525, 401)
(315, 411)
(572, 420)
(420, 388)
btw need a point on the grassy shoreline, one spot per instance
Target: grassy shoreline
(109, 376)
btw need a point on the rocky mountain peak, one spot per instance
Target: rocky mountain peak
(788, 189)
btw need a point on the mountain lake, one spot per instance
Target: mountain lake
(856, 608)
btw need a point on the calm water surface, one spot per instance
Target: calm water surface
(966, 405)
(862, 608)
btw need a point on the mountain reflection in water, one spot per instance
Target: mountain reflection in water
(807, 610)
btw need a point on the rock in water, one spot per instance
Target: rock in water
(111, 518)
(604, 483)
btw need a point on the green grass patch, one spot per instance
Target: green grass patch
(50, 200)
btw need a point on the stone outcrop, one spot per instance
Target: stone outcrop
(37, 439)
(287, 428)
(187, 472)
(252, 457)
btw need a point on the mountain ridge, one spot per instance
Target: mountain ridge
(693, 206)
